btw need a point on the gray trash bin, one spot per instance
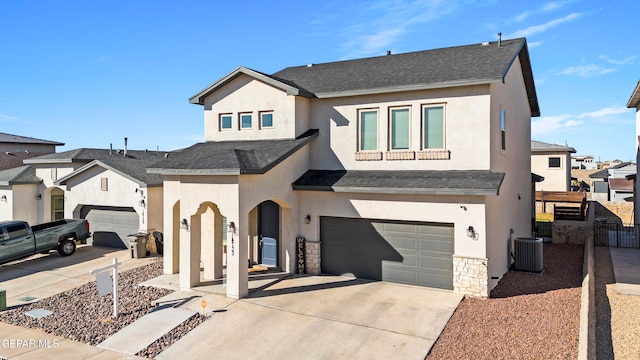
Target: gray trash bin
(138, 245)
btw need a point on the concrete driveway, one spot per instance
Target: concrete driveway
(321, 317)
(44, 275)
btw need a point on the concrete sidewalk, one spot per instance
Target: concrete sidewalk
(626, 269)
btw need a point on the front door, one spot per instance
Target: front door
(269, 230)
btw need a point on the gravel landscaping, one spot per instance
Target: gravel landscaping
(80, 314)
(528, 316)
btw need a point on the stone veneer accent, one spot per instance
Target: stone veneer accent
(434, 155)
(313, 257)
(400, 155)
(470, 276)
(368, 156)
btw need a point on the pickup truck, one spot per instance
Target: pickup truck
(19, 240)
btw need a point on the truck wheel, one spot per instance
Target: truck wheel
(67, 247)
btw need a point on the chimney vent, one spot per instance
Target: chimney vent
(125, 147)
(388, 52)
(499, 39)
(111, 149)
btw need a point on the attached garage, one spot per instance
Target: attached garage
(402, 252)
(111, 225)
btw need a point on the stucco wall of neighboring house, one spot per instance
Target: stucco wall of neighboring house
(555, 179)
(509, 214)
(154, 203)
(6, 206)
(637, 183)
(34, 148)
(25, 205)
(245, 94)
(466, 129)
(85, 189)
(44, 172)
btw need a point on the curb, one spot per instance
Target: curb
(587, 336)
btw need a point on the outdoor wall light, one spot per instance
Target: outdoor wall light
(184, 224)
(232, 227)
(471, 232)
(307, 219)
(3, 198)
(141, 203)
(39, 196)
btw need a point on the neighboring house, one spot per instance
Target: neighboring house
(583, 162)
(15, 148)
(110, 188)
(553, 162)
(634, 103)
(410, 168)
(612, 184)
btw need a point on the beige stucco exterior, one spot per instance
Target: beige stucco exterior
(472, 139)
(555, 178)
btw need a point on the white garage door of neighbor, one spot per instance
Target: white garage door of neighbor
(109, 225)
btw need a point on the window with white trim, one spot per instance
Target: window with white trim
(399, 129)
(433, 127)
(266, 119)
(226, 122)
(368, 130)
(503, 129)
(246, 121)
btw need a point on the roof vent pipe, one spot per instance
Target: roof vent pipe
(125, 147)
(110, 148)
(499, 39)
(388, 52)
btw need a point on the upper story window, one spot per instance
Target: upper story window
(399, 129)
(554, 162)
(266, 119)
(226, 122)
(368, 130)
(503, 129)
(246, 121)
(433, 127)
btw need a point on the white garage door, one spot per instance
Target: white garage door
(111, 225)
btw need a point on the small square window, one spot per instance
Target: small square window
(226, 122)
(554, 162)
(245, 121)
(266, 120)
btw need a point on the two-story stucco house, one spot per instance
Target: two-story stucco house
(411, 168)
(553, 162)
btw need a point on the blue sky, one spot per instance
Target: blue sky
(89, 73)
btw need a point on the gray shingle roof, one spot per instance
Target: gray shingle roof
(432, 182)
(11, 160)
(19, 175)
(634, 100)
(604, 173)
(17, 139)
(133, 165)
(231, 157)
(446, 67)
(539, 146)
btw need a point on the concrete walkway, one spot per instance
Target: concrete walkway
(626, 269)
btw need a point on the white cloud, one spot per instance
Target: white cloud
(373, 37)
(534, 44)
(608, 111)
(586, 70)
(545, 8)
(549, 124)
(628, 60)
(4, 117)
(531, 30)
